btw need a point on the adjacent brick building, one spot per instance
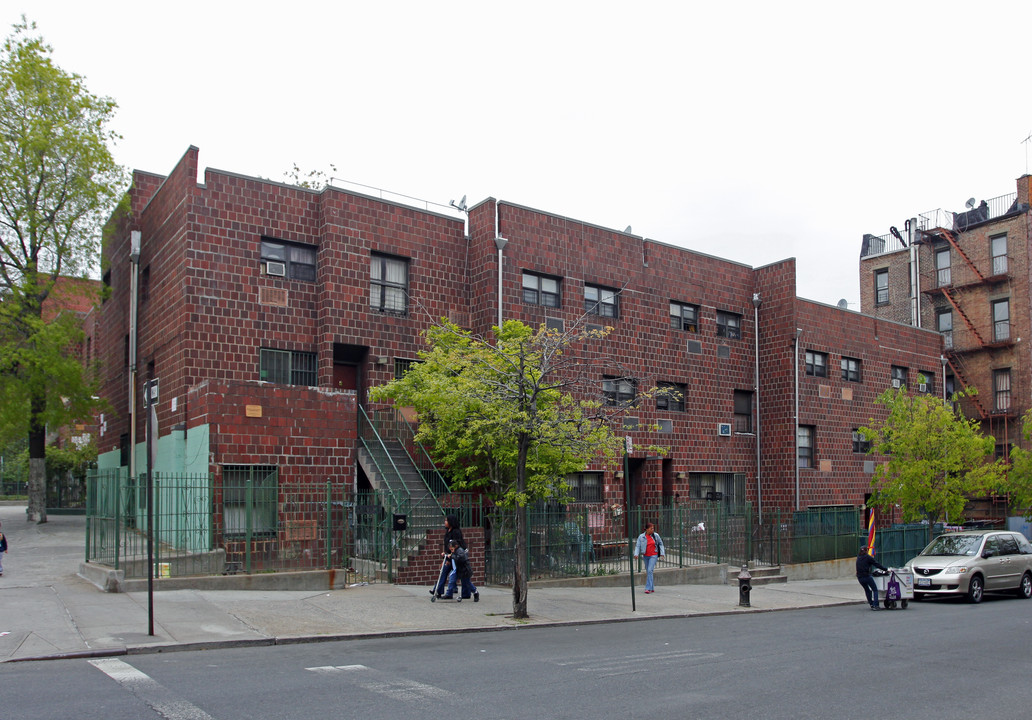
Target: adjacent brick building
(267, 310)
(965, 275)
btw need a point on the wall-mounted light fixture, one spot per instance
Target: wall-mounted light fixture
(618, 475)
(681, 475)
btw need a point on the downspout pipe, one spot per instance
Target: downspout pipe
(500, 243)
(795, 439)
(134, 260)
(756, 301)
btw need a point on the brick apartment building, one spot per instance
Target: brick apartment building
(266, 311)
(966, 276)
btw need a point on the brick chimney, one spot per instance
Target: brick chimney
(1023, 191)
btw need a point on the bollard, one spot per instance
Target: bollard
(744, 586)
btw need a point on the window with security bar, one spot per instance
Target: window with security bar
(998, 251)
(540, 290)
(249, 500)
(585, 487)
(601, 301)
(743, 411)
(388, 284)
(287, 367)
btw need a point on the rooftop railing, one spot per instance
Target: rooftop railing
(956, 222)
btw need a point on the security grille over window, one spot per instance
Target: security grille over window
(287, 367)
(249, 500)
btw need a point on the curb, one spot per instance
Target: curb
(390, 634)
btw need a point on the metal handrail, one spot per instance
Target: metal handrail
(364, 422)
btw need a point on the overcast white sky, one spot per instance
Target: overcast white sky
(753, 131)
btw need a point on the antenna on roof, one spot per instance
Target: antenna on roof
(971, 203)
(1026, 142)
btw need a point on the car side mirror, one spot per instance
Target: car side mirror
(987, 554)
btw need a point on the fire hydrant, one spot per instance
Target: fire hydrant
(744, 586)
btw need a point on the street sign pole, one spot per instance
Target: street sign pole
(628, 448)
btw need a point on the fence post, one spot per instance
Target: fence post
(329, 525)
(249, 505)
(118, 518)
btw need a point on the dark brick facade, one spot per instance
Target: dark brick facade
(208, 309)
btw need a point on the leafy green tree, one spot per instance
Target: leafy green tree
(1018, 484)
(514, 417)
(936, 458)
(58, 182)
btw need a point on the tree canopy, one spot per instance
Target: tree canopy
(936, 458)
(513, 417)
(58, 183)
(1018, 484)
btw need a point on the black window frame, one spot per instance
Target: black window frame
(1002, 396)
(686, 317)
(1001, 327)
(851, 374)
(943, 272)
(598, 306)
(729, 325)
(674, 400)
(998, 268)
(536, 294)
(289, 253)
(380, 288)
(926, 382)
(947, 333)
(813, 367)
(591, 491)
(743, 415)
(900, 373)
(860, 445)
(615, 390)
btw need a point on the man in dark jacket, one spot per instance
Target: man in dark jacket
(452, 531)
(864, 564)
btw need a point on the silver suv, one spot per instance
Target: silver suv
(972, 563)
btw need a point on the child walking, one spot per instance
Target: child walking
(463, 572)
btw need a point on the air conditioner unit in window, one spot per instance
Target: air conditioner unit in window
(275, 268)
(724, 429)
(896, 382)
(922, 387)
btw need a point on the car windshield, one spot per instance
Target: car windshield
(954, 545)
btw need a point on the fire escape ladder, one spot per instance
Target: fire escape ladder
(955, 366)
(967, 321)
(953, 243)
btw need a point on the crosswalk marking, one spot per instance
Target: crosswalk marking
(630, 664)
(381, 683)
(156, 695)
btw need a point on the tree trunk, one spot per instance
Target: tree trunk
(519, 575)
(37, 467)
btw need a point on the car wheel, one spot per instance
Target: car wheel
(1025, 589)
(975, 589)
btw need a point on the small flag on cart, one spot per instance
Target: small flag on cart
(870, 535)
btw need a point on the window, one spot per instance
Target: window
(684, 316)
(743, 411)
(666, 426)
(402, 366)
(816, 363)
(540, 290)
(804, 445)
(881, 287)
(1001, 320)
(998, 251)
(299, 260)
(670, 396)
(926, 382)
(287, 367)
(585, 486)
(600, 301)
(899, 376)
(944, 324)
(860, 445)
(850, 369)
(1002, 390)
(942, 266)
(619, 391)
(249, 499)
(729, 325)
(388, 284)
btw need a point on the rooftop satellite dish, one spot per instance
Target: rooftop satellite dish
(843, 304)
(971, 203)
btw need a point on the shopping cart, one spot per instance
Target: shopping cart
(897, 585)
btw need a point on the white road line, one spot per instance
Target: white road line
(150, 691)
(381, 683)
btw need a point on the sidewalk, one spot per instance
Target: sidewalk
(49, 611)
